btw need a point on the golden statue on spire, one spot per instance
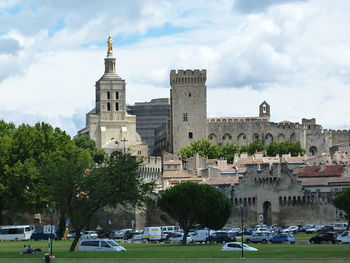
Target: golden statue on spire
(110, 46)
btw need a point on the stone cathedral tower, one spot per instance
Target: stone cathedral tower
(188, 96)
(108, 124)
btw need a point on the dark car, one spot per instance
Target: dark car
(220, 237)
(283, 238)
(329, 237)
(326, 229)
(39, 234)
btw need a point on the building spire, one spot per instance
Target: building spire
(110, 47)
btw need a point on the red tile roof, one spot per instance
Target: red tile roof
(317, 171)
(221, 180)
(324, 181)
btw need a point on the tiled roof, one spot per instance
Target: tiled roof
(296, 159)
(317, 171)
(173, 162)
(175, 174)
(323, 181)
(225, 168)
(221, 180)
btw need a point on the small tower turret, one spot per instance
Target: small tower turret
(264, 110)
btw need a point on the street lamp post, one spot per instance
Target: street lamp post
(51, 232)
(241, 206)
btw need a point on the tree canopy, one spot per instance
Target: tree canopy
(294, 148)
(227, 151)
(78, 189)
(23, 150)
(41, 167)
(342, 202)
(192, 204)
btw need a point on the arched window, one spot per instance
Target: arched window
(108, 106)
(313, 150)
(108, 95)
(117, 95)
(281, 138)
(116, 106)
(268, 139)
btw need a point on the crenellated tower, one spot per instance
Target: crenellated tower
(188, 97)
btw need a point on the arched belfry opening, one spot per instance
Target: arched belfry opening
(267, 213)
(264, 110)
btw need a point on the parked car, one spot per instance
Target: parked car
(201, 235)
(290, 229)
(89, 235)
(71, 235)
(283, 238)
(306, 227)
(340, 226)
(312, 230)
(329, 237)
(328, 228)
(248, 231)
(236, 231)
(120, 234)
(344, 237)
(220, 237)
(262, 237)
(100, 245)
(137, 236)
(177, 238)
(39, 234)
(237, 246)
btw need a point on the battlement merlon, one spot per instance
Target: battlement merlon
(188, 76)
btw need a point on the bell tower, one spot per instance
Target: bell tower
(264, 110)
(108, 124)
(110, 90)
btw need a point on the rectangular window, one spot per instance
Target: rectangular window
(190, 135)
(185, 117)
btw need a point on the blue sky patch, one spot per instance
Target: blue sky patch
(57, 27)
(129, 39)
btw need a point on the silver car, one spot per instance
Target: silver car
(260, 237)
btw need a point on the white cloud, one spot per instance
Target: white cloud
(294, 55)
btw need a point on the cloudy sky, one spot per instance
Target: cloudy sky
(295, 54)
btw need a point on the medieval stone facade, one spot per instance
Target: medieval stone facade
(189, 122)
(274, 195)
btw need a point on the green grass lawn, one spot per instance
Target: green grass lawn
(11, 249)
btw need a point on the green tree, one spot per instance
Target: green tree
(87, 143)
(204, 148)
(342, 202)
(178, 203)
(78, 189)
(23, 151)
(228, 151)
(280, 148)
(255, 146)
(208, 150)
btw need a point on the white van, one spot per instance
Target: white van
(201, 235)
(344, 237)
(153, 233)
(100, 245)
(17, 232)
